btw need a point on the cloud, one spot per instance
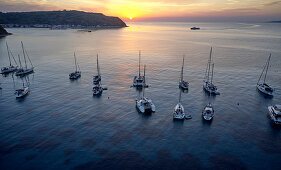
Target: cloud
(272, 3)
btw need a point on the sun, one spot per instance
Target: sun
(131, 18)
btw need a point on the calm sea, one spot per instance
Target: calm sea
(60, 125)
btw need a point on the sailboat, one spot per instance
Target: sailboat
(139, 81)
(97, 78)
(24, 70)
(183, 84)
(208, 82)
(264, 87)
(179, 113)
(144, 104)
(208, 112)
(76, 74)
(21, 92)
(10, 68)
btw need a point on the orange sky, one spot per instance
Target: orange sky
(142, 9)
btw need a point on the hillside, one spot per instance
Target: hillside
(60, 18)
(3, 32)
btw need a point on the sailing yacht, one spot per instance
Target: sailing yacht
(21, 92)
(97, 78)
(208, 112)
(144, 104)
(24, 70)
(275, 114)
(183, 84)
(76, 74)
(264, 87)
(139, 81)
(10, 68)
(179, 111)
(208, 82)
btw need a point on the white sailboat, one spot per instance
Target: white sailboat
(97, 78)
(179, 113)
(183, 84)
(77, 73)
(139, 81)
(22, 92)
(208, 85)
(97, 89)
(24, 70)
(275, 114)
(144, 104)
(208, 112)
(264, 87)
(10, 68)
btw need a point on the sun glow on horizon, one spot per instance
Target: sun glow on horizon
(138, 10)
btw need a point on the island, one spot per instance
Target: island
(3, 32)
(59, 20)
(275, 21)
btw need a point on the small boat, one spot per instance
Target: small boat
(22, 92)
(22, 71)
(10, 68)
(208, 112)
(97, 90)
(275, 114)
(264, 87)
(76, 74)
(145, 105)
(195, 28)
(179, 110)
(208, 85)
(183, 84)
(139, 81)
(97, 78)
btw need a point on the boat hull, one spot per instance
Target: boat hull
(271, 114)
(7, 70)
(74, 75)
(208, 88)
(139, 82)
(24, 72)
(263, 89)
(22, 92)
(208, 113)
(183, 85)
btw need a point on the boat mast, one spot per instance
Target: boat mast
(75, 62)
(20, 61)
(213, 65)
(180, 97)
(98, 67)
(8, 53)
(144, 74)
(139, 62)
(209, 64)
(182, 68)
(23, 54)
(267, 67)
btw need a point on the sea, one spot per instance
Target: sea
(61, 125)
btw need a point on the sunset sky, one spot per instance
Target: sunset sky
(258, 10)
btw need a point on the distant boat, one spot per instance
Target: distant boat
(183, 84)
(97, 78)
(264, 87)
(195, 28)
(139, 81)
(10, 68)
(24, 70)
(76, 74)
(208, 112)
(208, 85)
(275, 114)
